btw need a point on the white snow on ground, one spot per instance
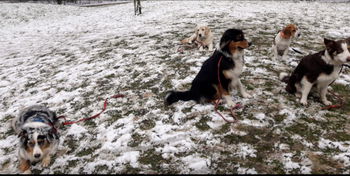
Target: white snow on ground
(72, 58)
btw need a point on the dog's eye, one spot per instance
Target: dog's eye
(41, 142)
(31, 144)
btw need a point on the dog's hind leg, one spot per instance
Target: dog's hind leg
(274, 51)
(305, 90)
(322, 89)
(285, 54)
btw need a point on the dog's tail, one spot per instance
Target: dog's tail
(174, 96)
(284, 77)
(290, 80)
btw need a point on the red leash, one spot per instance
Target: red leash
(336, 105)
(237, 106)
(337, 96)
(92, 117)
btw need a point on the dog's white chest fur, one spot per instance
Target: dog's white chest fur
(236, 71)
(281, 43)
(327, 79)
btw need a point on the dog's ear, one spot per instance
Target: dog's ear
(52, 134)
(23, 136)
(348, 42)
(196, 29)
(23, 133)
(287, 31)
(330, 44)
(207, 30)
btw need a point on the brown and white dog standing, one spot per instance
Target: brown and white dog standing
(39, 139)
(318, 70)
(206, 86)
(283, 40)
(202, 36)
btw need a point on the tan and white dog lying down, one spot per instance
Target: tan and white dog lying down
(283, 40)
(202, 36)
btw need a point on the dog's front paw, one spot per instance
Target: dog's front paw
(27, 172)
(230, 103)
(246, 95)
(298, 95)
(46, 161)
(326, 102)
(303, 102)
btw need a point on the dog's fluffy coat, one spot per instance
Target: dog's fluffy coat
(319, 70)
(202, 36)
(283, 40)
(205, 87)
(39, 139)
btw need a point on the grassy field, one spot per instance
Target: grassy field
(72, 58)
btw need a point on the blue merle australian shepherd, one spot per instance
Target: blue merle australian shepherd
(36, 128)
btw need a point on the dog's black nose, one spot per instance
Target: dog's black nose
(250, 43)
(348, 59)
(200, 35)
(37, 155)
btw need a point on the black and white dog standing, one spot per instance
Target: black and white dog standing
(318, 70)
(36, 128)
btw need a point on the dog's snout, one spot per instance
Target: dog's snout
(348, 59)
(200, 35)
(250, 44)
(37, 155)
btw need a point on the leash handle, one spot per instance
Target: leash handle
(92, 117)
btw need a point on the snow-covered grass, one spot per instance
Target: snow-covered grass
(71, 58)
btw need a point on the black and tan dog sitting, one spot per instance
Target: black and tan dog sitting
(206, 87)
(36, 128)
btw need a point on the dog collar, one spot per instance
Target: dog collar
(230, 56)
(224, 53)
